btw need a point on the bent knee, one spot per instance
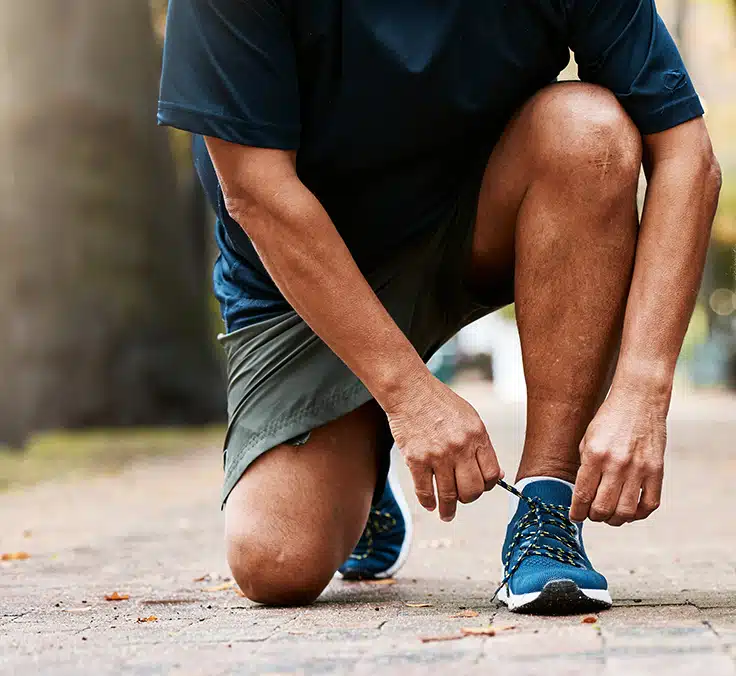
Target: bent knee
(277, 572)
(585, 128)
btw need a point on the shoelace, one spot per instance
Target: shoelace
(378, 522)
(538, 516)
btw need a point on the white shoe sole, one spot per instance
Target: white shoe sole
(558, 597)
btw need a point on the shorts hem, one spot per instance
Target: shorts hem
(322, 411)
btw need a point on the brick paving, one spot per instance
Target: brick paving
(154, 531)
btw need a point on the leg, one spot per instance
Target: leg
(557, 214)
(297, 513)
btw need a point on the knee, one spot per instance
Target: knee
(582, 133)
(277, 572)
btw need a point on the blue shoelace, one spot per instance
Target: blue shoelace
(533, 526)
(378, 522)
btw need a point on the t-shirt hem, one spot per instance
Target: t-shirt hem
(670, 115)
(228, 128)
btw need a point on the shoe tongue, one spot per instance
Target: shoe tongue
(549, 491)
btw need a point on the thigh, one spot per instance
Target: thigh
(309, 503)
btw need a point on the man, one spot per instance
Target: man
(384, 173)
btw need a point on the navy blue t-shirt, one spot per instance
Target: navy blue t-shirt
(391, 104)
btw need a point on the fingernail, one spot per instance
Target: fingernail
(447, 519)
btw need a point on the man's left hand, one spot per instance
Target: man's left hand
(622, 461)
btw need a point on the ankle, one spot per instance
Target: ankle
(566, 472)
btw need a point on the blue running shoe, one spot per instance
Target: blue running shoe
(546, 569)
(384, 546)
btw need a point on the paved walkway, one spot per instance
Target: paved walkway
(154, 533)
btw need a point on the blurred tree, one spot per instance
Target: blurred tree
(102, 295)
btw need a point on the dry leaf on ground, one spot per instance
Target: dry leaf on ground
(465, 614)
(387, 581)
(490, 630)
(204, 578)
(150, 618)
(116, 597)
(15, 556)
(220, 587)
(590, 619)
(446, 637)
(418, 605)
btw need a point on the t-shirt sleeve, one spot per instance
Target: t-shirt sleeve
(229, 71)
(623, 45)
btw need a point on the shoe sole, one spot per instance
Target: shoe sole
(393, 482)
(558, 597)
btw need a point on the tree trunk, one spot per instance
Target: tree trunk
(102, 300)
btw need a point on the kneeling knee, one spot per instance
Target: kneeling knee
(278, 573)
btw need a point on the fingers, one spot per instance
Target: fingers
(446, 492)
(469, 480)
(651, 496)
(489, 466)
(627, 502)
(586, 487)
(423, 486)
(606, 498)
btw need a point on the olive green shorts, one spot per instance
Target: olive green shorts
(283, 381)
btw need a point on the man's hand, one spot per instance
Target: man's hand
(622, 461)
(441, 435)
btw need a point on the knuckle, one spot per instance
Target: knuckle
(448, 496)
(470, 496)
(653, 467)
(492, 476)
(625, 514)
(618, 461)
(583, 496)
(424, 495)
(651, 506)
(598, 454)
(600, 513)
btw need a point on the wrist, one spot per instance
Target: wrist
(400, 379)
(646, 381)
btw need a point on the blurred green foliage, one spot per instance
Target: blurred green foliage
(58, 454)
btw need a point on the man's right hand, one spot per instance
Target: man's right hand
(441, 435)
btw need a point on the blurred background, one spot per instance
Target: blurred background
(109, 325)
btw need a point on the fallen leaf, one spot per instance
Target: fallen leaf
(418, 605)
(151, 618)
(465, 613)
(204, 578)
(446, 637)
(220, 587)
(490, 630)
(116, 597)
(27, 534)
(387, 581)
(590, 619)
(15, 556)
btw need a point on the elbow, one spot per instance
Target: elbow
(713, 176)
(244, 208)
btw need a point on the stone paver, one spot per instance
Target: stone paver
(155, 530)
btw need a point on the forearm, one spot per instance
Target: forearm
(682, 195)
(314, 270)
